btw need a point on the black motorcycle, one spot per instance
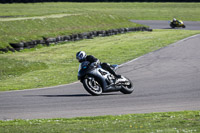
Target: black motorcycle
(97, 80)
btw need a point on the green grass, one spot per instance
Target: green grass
(85, 17)
(134, 10)
(57, 64)
(170, 122)
(11, 67)
(33, 29)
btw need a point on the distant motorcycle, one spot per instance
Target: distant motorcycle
(97, 80)
(178, 23)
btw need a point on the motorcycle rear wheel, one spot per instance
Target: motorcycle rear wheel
(92, 86)
(127, 89)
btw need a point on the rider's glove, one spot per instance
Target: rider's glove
(94, 64)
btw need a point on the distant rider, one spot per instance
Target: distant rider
(81, 56)
(175, 21)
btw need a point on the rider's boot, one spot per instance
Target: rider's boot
(113, 73)
(117, 76)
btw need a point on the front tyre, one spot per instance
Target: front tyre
(92, 86)
(172, 25)
(127, 88)
(183, 26)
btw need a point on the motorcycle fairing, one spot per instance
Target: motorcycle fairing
(103, 77)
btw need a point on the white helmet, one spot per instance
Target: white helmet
(174, 19)
(80, 56)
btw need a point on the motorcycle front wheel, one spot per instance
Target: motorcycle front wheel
(172, 26)
(92, 86)
(127, 88)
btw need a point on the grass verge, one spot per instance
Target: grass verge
(35, 29)
(131, 10)
(57, 64)
(173, 122)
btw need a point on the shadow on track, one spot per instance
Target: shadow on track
(71, 95)
(168, 28)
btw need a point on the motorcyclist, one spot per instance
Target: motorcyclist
(175, 21)
(82, 56)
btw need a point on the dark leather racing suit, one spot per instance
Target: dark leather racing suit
(105, 66)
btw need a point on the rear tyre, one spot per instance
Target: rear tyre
(92, 86)
(127, 88)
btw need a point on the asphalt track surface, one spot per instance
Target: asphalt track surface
(162, 24)
(165, 80)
